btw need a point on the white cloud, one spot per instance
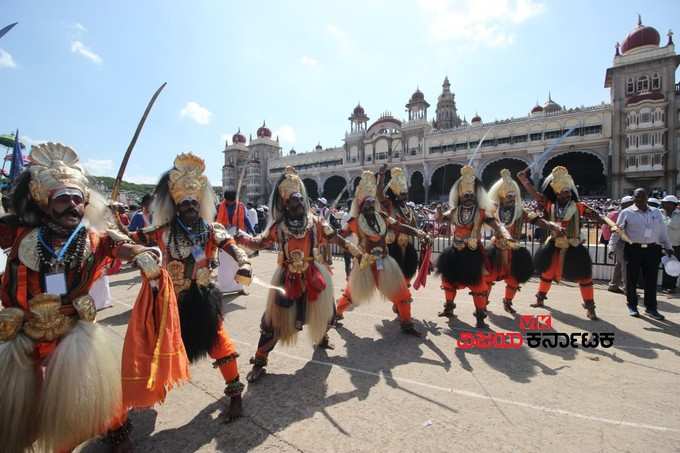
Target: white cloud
(340, 37)
(6, 60)
(99, 167)
(487, 22)
(81, 49)
(196, 112)
(286, 134)
(80, 27)
(309, 61)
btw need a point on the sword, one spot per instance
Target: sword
(263, 284)
(612, 225)
(479, 145)
(7, 28)
(128, 152)
(547, 151)
(335, 202)
(240, 181)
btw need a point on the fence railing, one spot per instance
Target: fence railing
(531, 238)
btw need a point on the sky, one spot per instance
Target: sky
(81, 72)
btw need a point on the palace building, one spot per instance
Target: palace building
(612, 148)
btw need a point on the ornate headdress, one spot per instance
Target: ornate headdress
(559, 180)
(503, 187)
(290, 184)
(366, 188)
(55, 166)
(397, 183)
(468, 183)
(184, 181)
(187, 179)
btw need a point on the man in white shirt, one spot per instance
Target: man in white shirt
(671, 217)
(648, 236)
(251, 213)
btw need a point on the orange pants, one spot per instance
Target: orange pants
(511, 283)
(401, 301)
(224, 353)
(479, 292)
(554, 273)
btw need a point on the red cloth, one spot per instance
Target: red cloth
(421, 278)
(313, 281)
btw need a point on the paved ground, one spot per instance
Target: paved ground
(382, 391)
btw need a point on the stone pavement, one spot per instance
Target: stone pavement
(380, 390)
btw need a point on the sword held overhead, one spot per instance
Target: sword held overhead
(121, 171)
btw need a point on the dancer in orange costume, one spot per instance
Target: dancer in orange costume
(377, 270)
(508, 260)
(462, 264)
(60, 376)
(393, 202)
(304, 288)
(183, 209)
(563, 255)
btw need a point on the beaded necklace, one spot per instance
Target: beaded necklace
(68, 259)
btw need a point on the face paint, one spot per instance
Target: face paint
(67, 208)
(189, 211)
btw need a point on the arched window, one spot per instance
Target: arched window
(630, 86)
(643, 83)
(656, 81)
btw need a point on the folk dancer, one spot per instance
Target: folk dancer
(60, 374)
(303, 293)
(393, 200)
(507, 259)
(183, 211)
(462, 265)
(563, 255)
(377, 271)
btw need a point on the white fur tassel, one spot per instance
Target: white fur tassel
(282, 319)
(320, 312)
(82, 391)
(19, 393)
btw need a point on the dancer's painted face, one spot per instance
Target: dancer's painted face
(189, 211)
(67, 209)
(368, 207)
(468, 199)
(295, 206)
(564, 196)
(509, 199)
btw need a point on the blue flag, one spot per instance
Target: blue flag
(17, 159)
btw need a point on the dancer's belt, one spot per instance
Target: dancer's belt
(505, 244)
(563, 242)
(376, 257)
(470, 243)
(47, 319)
(176, 269)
